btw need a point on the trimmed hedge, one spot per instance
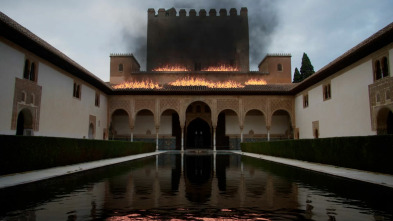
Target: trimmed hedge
(24, 153)
(371, 153)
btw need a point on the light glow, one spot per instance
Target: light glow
(221, 68)
(148, 84)
(255, 81)
(171, 68)
(195, 81)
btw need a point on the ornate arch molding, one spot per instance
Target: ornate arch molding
(125, 105)
(256, 103)
(228, 104)
(285, 104)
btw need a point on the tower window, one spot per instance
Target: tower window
(120, 67)
(279, 67)
(198, 66)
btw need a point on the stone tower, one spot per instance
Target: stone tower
(198, 41)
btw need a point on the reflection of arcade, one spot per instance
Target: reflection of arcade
(198, 175)
(199, 172)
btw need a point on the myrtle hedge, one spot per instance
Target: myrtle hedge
(24, 153)
(371, 153)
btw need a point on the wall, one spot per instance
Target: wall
(347, 113)
(11, 66)
(60, 115)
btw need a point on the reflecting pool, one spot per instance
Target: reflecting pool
(197, 186)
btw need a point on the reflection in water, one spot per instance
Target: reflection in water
(196, 186)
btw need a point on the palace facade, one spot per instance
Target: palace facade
(197, 91)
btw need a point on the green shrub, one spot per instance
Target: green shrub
(372, 153)
(22, 153)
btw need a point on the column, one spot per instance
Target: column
(182, 139)
(132, 135)
(268, 133)
(241, 134)
(157, 129)
(214, 138)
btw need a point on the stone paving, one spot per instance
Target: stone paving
(365, 176)
(37, 175)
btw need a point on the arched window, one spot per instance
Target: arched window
(32, 72)
(120, 67)
(378, 97)
(279, 67)
(385, 67)
(378, 73)
(26, 69)
(387, 95)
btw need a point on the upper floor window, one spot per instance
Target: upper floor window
(120, 67)
(327, 93)
(381, 68)
(77, 90)
(198, 66)
(305, 100)
(30, 70)
(279, 67)
(97, 99)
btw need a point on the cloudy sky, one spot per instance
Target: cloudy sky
(88, 31)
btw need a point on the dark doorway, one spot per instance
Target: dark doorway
(389, 123)
(20, 125)
(198, 134)
(24, 122)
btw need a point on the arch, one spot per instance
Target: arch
(170, 129)
(385, 121)
(32, 72)
(91, 134)
(228, 130)
(24, 125)
(26, 69)
(255, 121)
(24, 96)
(145, 122)
(205, 112)
(199, 134)
(119, 128)
(281, 124)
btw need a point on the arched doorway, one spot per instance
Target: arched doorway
(119, 128)
(24, 125)
(254, 129)
(198, 126)
(91, 131)
(281, 126)
(145, 129)
(170, 130)
(228, 130)
(385, 121)
(198, 134)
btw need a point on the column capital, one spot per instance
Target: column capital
(267, 127)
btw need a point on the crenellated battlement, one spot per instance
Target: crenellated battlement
(193, 13)
(121, 55)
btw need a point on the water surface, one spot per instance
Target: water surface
(197, 187)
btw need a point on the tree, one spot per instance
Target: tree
(296, 76)
(306, 70)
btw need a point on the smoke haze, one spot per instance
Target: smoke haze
(262, 19)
